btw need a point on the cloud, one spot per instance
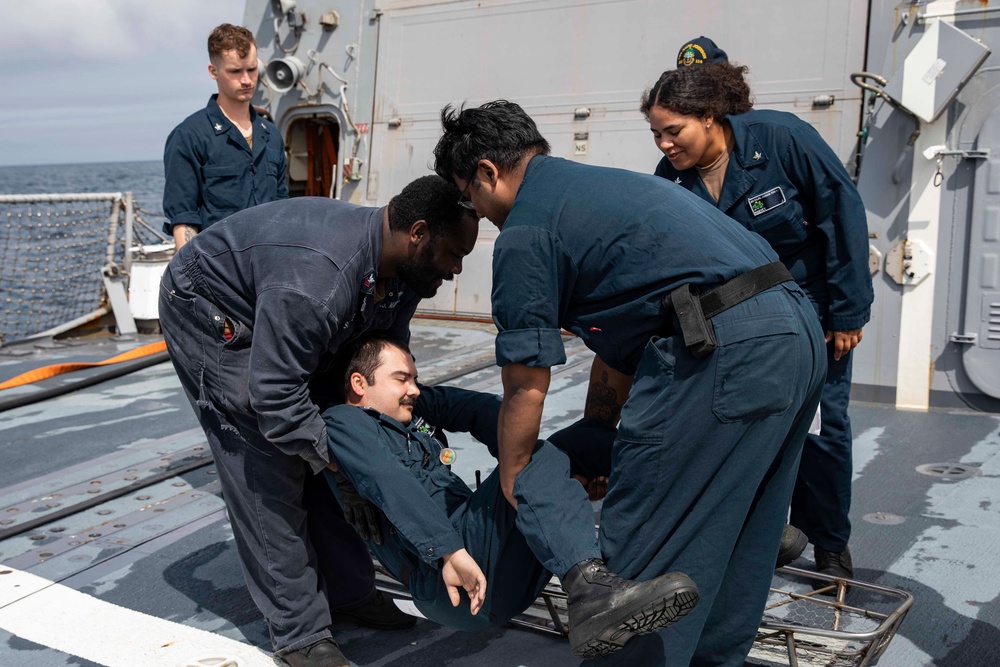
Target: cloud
(108, 28)
(99, 80)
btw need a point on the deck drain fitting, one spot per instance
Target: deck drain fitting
(952, 472)
(884, 518)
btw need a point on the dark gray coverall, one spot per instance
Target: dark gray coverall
(786, 183)
(295, 280)
(706, 452)
(433, 513)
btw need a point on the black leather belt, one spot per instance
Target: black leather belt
(694, 310)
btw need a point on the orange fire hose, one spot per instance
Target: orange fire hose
(46, 372)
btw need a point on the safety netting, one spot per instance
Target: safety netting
(52, 250)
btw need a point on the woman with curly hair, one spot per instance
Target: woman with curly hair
(774, 174)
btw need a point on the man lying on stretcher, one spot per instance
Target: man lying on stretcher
(470, 559)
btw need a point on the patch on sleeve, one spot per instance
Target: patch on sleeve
(368, 283)
(761, 204)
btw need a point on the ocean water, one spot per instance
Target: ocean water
(143, 179)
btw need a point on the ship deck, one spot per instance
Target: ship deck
(115, 548)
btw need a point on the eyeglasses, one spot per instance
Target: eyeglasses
(464, 201)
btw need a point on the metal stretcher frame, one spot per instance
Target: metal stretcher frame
(816, 630)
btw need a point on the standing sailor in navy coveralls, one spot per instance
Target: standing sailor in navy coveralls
(438, 537)
(226, 157)
(723, 384)
(773, 173)
(251, 309)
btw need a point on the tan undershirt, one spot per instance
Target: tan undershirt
(715, 174)
(247, 133)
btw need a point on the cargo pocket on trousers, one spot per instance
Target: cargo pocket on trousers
(756, 376)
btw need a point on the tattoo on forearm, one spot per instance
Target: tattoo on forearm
(602, 401)
(188, 232)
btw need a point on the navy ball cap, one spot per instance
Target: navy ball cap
(700, 51)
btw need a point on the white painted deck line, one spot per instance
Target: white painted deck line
(66, 620)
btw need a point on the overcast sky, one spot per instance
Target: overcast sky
(102, 80)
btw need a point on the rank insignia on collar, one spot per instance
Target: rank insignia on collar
(677, 180)
(757, 155)
(218, 127)
(368, 283)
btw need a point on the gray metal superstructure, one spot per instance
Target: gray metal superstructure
(934, 338)
(378, 72)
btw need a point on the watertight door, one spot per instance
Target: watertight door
(982, 298)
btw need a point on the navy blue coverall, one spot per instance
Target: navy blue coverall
(211, 172)
(706, 452)
(785, 183)
(294, 280)
(433, 512)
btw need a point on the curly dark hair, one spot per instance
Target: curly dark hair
(712, 89)
(498, 131)
(429, 198)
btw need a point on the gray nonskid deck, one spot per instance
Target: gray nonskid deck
(935, 536)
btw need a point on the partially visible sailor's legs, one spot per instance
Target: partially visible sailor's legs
(821, 502)
(703, 469)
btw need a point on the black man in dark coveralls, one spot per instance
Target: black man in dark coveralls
(724, 384)
(251, 309)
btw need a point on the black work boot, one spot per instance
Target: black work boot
(324, 653)
(380, 613)
(834, 564)
(605, 611)
(793, 543)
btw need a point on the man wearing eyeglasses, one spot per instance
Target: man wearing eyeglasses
(715, 361)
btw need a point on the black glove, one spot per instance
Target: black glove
(357, 511)
(587, 443)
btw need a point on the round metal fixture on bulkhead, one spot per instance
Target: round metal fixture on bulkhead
(284, 73)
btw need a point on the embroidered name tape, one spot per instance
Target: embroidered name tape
(763, 203)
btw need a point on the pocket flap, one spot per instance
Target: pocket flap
(734, 330)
